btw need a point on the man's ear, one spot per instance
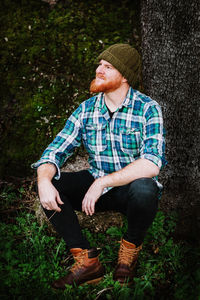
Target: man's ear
(124, 79)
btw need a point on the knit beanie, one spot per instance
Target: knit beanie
(125, 59)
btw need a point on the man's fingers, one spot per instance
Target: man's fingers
(85, 209)
(92, 204)
(51, 206)
(46, 207)
(55, 203)
(92, 207)
(59, 199)
(84, 206)
(56, 207)
(88, 206)
(49, 196)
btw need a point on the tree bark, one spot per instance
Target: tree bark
(171, 59)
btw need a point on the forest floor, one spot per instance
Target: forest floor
(33, 255)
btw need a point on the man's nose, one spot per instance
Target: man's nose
(100, 69)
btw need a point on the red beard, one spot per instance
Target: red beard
(104, 86)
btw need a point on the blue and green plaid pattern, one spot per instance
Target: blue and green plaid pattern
(135, 131)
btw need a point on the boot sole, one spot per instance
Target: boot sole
(93, 281)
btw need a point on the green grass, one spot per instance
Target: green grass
(31, 258)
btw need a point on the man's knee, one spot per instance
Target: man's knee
(143, 190)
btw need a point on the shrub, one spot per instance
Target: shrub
(47, 62)
(31, 258)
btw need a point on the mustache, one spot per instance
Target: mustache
(100, 76)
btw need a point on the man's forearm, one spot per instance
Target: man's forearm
(137, 169)
(46, 171)
(49, 196)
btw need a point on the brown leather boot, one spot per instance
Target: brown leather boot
(87, 269)
(127, 259)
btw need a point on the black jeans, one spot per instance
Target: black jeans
(137, 200)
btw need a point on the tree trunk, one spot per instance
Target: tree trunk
(171, 53)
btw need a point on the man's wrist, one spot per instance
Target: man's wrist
(45, 172)
(42, 179)
(102, 182)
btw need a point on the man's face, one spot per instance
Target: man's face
(108, 79)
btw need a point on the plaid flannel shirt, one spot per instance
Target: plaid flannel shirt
(134, 131)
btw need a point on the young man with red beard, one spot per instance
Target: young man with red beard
(122, 131)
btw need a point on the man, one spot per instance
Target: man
(122, 131)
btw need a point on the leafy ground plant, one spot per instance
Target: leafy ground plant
(31, 258)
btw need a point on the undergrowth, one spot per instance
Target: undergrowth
(32, 257)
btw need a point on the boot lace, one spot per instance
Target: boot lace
(79, 260)
(128, 255)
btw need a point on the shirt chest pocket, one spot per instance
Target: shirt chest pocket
(94, 137)
(130, 140)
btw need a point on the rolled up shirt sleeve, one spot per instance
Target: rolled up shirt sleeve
(64, 143)
(153, 145)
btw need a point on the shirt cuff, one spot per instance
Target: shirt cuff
(45, 161)
(155, 159)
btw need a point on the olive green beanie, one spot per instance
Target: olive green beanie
(125, 59)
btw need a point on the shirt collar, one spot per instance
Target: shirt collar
(127, 101)
(99, 100)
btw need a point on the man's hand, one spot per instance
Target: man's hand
(49, 196)
(92, 196)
